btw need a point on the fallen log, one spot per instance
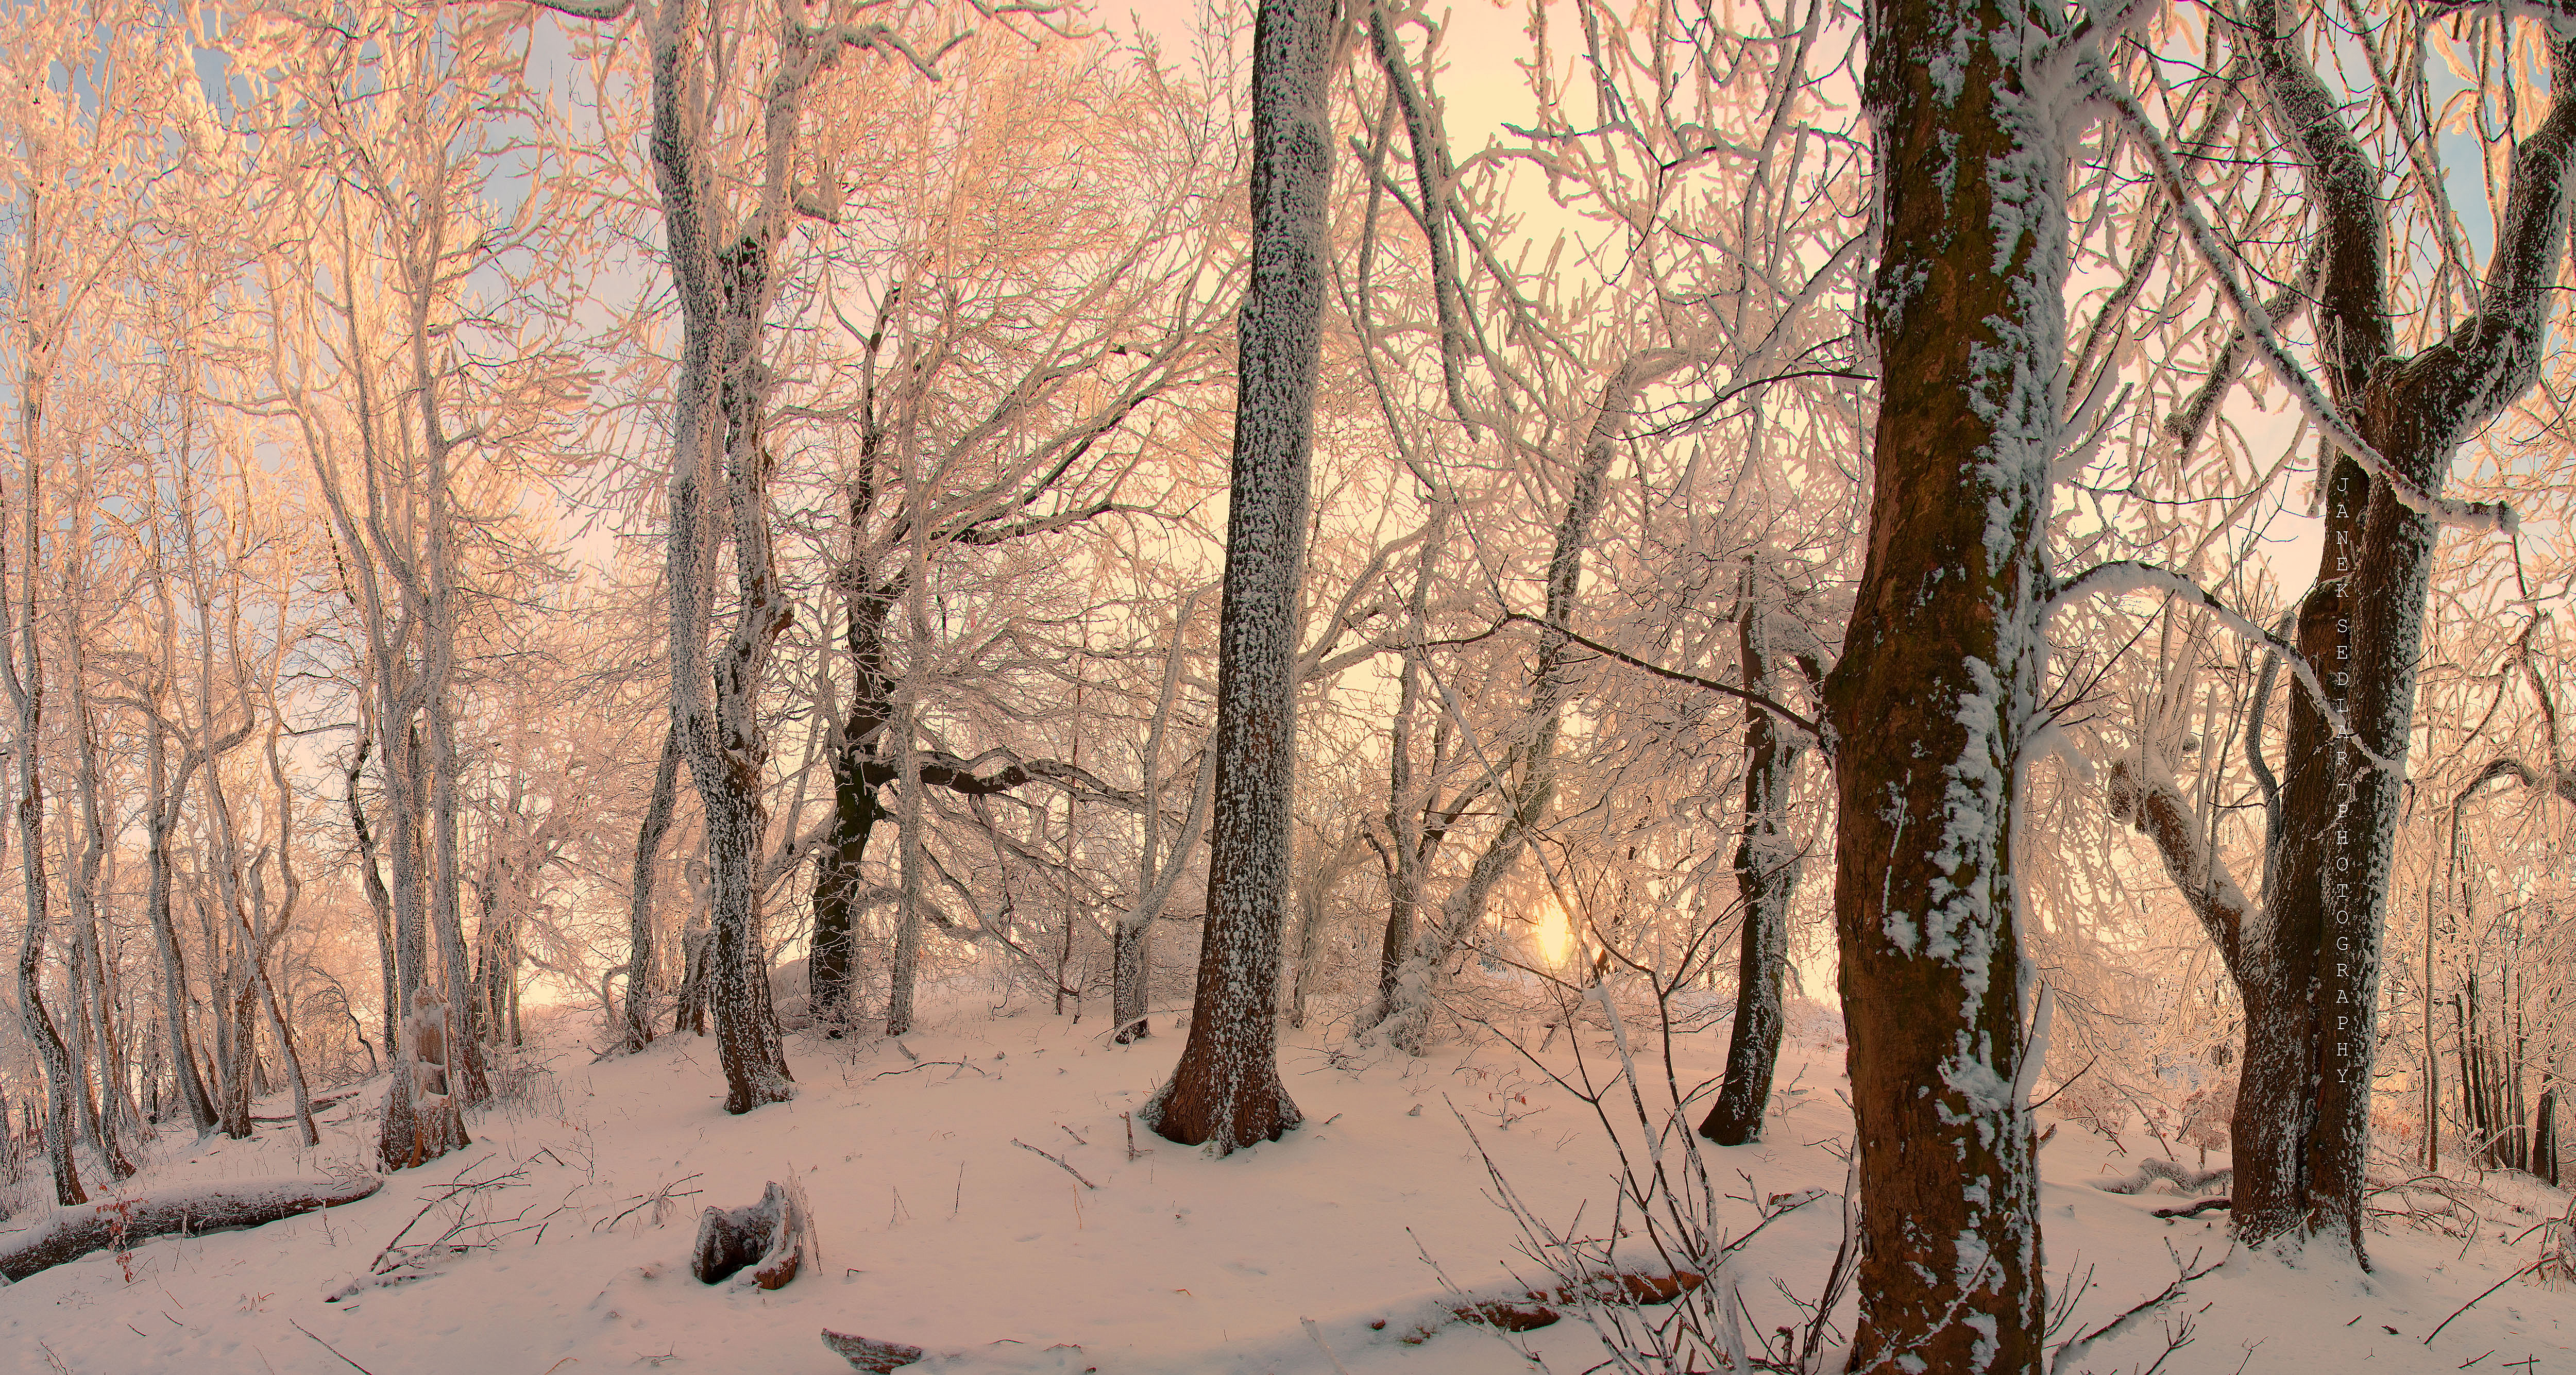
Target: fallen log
(319, 1105)
(121, 1223)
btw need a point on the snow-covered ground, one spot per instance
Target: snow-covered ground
(936, 1229)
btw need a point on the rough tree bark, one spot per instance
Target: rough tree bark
(1226, 1093)
(1940, 676)
(2306, 959)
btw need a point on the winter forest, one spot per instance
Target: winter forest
(1291, 688)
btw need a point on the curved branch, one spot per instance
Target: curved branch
(2129, 575)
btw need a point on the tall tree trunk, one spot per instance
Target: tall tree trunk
(163, 819)
(379, 901)
(719, 494)
(1939, 682)
(1226, 1091)
(1766, 878)
(25, 673)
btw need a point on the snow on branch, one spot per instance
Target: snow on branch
(1813, 730)
(2478, 516)
(2148, 799)
(2129, 575)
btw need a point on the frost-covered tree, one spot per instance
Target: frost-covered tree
(1940, 676)
(1226, 1092)
(2306, 952)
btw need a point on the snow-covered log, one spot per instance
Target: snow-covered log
(2185, 1180)
(75, 1232)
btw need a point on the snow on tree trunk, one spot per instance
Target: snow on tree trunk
(1940, 679)
(421, 1088)
(720, 466)
(1226, 1091)
(1766, 877)
(2309, 965)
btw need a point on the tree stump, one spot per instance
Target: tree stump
(771, 1238)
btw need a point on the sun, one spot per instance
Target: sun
(1555, 933)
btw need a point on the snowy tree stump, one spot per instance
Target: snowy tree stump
(72, 1233)
(773, 1238)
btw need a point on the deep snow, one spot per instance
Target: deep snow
(937, 1230)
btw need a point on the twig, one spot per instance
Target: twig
(925, 1064)
(2162, 1297)
(353, 1365)
(1059, 1161)
(2463, 1308)
(1077, 1136)
(660, 1195)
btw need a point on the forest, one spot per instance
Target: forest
(1586, 685)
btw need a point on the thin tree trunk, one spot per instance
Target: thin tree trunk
(1766, 878)
(379, 901)
(164, 800)
(1131, 938)
(27, 688)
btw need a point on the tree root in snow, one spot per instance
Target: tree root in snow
(1521, 1311)
(72, 1233)
(2149, 1171)
(2194, 1209)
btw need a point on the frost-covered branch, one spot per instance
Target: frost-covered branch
(2128, 575)
(2257, 324)
(1644, 666)
(2146, 797)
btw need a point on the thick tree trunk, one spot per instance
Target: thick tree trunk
(1766, 878)
(1226, 1091)
(1940, 680)
(2310, 969)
